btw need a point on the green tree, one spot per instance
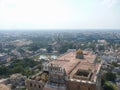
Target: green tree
(109, 86)
(115, 64)
(19, 66)
(102, 81)
(110, 76)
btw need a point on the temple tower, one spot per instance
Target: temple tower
(79, 54)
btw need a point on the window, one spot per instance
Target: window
(39, 86)
(34, 85)
(78, 87)
(30, 84)
(89, 89)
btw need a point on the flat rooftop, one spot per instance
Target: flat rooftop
(4, 87)
(42, 76)
(1, 55)
(71, 64)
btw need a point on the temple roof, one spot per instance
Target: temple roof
(79, 51)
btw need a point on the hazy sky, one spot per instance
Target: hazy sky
(59, 14)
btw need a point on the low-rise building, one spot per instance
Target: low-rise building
(3, 57)
(16, 81)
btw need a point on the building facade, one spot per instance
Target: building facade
(75, 70)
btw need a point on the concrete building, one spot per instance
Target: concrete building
(74, 70)
(16, 81)
(3, 57)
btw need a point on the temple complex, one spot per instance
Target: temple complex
(75, 70)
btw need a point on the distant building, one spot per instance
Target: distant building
(116, 69)
(1, 45)
(104, 42)
(43, 50)
(17, 79)
(3, 57)
(74, 70)
(71, 50)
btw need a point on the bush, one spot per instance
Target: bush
(110, 76)
(109, 86)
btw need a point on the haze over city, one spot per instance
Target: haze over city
(59, 14)
(59, 44)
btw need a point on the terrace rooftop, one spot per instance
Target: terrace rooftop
(71, 64)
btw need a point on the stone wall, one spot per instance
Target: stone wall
(34, 85)
(79, 86)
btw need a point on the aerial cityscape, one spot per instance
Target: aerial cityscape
(60, 60)
(59, 44)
